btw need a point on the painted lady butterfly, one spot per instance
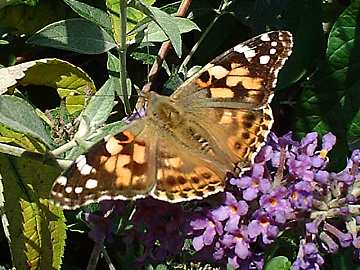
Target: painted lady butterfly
(187, 143)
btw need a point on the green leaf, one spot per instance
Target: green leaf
(113, 65)
(134, 16)
(76, 35)
(71, 82)
(17, 138)
(278, 263)
(144, 57)
(17, 114)
(101, 104)
(18, 2)
(342, 260)
(36, 229)
(229, 267)
(354, 132)
(110, 129)
(23, 19)
(172, 84)
(113, 7)
(161, 267)
(156, 34)
(9, 3)
(167, 23)
(306, 25)
(148, 59)
(332, 103)
(91, 13)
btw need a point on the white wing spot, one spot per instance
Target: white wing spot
(79, 158)
(57, 194)
(249, 54)
(68, 189)
(265, 37)
(78, 190)
(86, 169)
(80, 161)
(91, 183)
(240, 48)
(274, 43)
(264, 59)
(61, 180)
(272, 51)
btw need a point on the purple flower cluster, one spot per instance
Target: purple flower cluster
(102, 223)
(158, 227)
(288, 187)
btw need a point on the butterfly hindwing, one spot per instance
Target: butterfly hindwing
(240, 132)
(182, 177)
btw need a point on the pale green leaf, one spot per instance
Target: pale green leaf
(134, 16)
(113, 65)
(16, 138)
(71, 82)
(101, 104)
(113, 7)
(278, 263)
(99, 134)
(156, 34)
(20, 116)
(36, 229)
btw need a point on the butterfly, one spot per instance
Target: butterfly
(187, 143)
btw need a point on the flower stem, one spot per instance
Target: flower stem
(280, 172)
(223, 5)
(94, 257)
(122, 55)
(107, 259)
(197, 44)
(163, 52)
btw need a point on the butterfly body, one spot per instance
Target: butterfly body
(187, 143)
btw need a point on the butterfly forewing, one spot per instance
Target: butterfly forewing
(187, 143)
(242, 77)
(117, 167)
